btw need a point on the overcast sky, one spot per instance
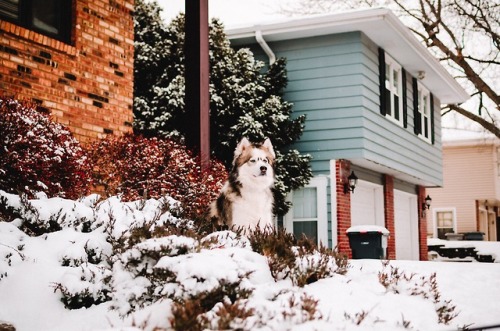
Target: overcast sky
(231, 12)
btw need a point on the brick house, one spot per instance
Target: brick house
(73, 58)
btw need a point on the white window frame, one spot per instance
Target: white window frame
(392, 68)
(435, 211)
(424, 107)
(320, 183)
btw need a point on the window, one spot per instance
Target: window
(49, 17)
(424, 108)
(393, 90)
(308, 213)
(445, 223)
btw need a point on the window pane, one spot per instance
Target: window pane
(396, 107)
(395, 80)
(388, 107)
(45, 16)
(305, 203)
(308, 228)
(444, 223)
(425, 104)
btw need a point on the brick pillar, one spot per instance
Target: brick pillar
(389, 216)
(342, 170)
(422, 224)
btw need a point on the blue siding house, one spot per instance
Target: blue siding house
(372, 96)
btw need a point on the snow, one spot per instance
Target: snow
(368, 228)
(371, 295)
(482, 247)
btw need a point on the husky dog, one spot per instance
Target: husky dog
(246, 200)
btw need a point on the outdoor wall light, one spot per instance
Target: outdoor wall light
(352, 180)
(426, 204)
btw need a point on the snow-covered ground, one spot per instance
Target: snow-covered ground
(372, 295)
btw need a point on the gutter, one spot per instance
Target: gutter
(265, 47)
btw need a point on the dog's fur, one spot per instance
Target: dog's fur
(246, 200)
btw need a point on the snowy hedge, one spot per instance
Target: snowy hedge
(139, 260)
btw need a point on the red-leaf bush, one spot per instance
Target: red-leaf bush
(136, 167)
(38, 154)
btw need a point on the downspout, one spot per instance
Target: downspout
(265, 47)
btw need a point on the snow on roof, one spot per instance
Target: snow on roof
(382, 26)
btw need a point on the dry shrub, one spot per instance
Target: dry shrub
(136, 167)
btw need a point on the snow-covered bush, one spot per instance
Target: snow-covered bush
(156, 271)
(39, 154)
(297, 259)
(135, 167)
(397, 281)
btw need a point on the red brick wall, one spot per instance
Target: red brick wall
(422, 225)
(342, 170)
(389, 216)
(87, 85)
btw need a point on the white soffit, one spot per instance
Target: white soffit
(382, 27)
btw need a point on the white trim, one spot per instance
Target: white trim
(333, 203)
(434, 218)
(424, 94)
(320, 183)
(393, 66)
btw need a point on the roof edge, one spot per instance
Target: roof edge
(357, 20)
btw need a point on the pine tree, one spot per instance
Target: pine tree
(245, 99)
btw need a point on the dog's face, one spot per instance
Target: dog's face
(255, 161)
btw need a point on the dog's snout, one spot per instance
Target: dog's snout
(263, 169)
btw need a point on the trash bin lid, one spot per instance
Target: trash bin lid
(368, 228)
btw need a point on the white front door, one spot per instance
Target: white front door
(367, 204)
(308, 214)
(406, 226)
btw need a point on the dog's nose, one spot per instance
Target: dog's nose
(263, 169)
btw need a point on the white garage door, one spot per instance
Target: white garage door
(406, 225)
(367, 204)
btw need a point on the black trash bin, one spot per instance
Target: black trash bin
(368, 241)
(474, 236)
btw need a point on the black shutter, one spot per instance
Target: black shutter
(405, 100)
(381, 75)
(417, 117)
(432, 118)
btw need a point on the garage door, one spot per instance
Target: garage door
(406, 225)
(367, 204)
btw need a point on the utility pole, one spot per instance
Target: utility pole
(197, 103)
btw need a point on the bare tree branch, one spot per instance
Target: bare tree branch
(463, 34)
(484, 123)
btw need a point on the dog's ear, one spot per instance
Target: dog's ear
(244, 144)
(267, 144)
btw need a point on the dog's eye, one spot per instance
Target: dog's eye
(253, 160)
(266, 160)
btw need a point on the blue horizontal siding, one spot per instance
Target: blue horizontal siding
(334, 81)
